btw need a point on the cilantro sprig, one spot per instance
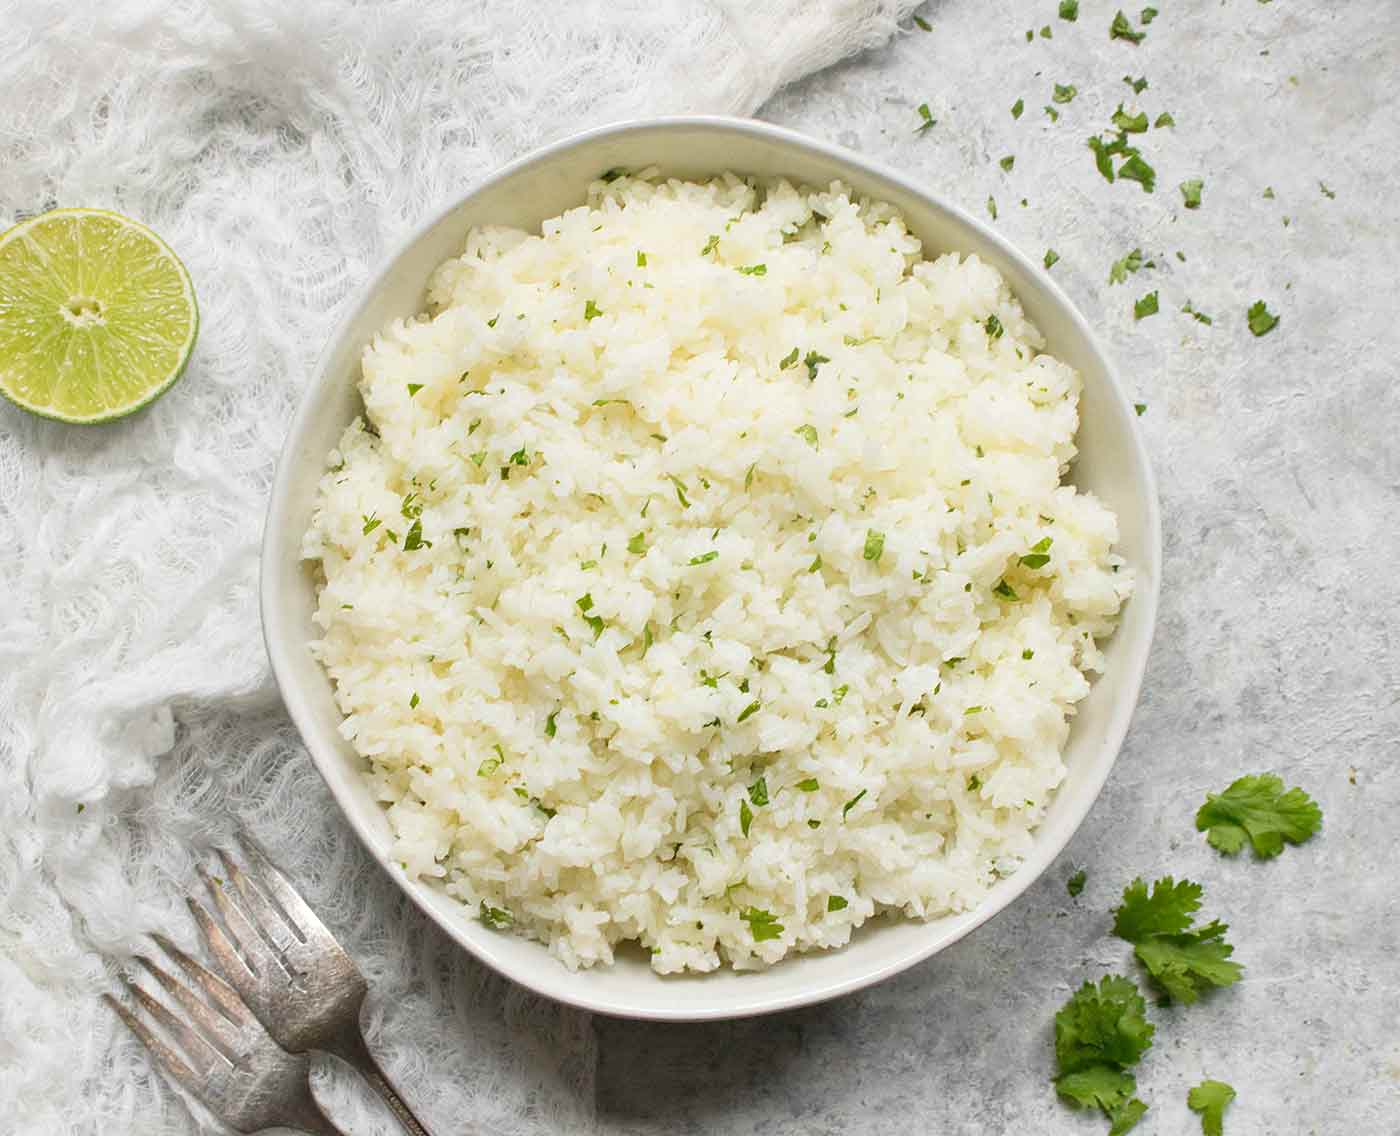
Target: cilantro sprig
(1100, 1034)
(1185, 960)
(1256, 809)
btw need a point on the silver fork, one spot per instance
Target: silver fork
(290, 970)
(225, 1059)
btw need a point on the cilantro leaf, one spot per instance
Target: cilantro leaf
(763, 925)
(808, 433)
(758, 792)
(1261, 320)
(808, 785)
(993, 327)
(874, 545)
(1124, 1118)
(1210, 1099)
(849, 805)
(1065, 93)
(754, 270)
(591, 311)
(1147, 16)
(928, 119)
(1102, 1026)
(1187, 964)
(1069, 10)
(1256, 808)
(836, 903)
(1191, 192)
(413, 539)
(1017, 107)
(1099, 1086)
(745, 817)
(1183, 959)
(637, 544)
(1168, 909)
(1147, 306)
(1121, 29)
(1051, 257)
(748, 711)
(813, 361)
(1139, 408)
(1119, 270)
(1008, 163)
(1075, 884)
(922, 24)
(1164, 119)
(550, 727)
(789, 359)
(1138, 85)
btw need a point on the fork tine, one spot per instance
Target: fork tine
(201, 1054)
(272, 923)
(287, 897)
(257, 956)
(217, 1029)
(222, 948)
(214, 986)
(164, 1056)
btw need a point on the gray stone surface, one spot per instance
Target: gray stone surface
(1279, 469)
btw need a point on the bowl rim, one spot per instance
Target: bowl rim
(1146, 592)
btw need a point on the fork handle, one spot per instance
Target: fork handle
(351, 1047)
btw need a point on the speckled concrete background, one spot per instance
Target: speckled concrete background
(1279, 468)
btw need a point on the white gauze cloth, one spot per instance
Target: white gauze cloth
(280, 146)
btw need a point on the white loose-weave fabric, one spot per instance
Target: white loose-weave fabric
(280, 146)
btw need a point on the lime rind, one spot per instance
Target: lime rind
(98, 316)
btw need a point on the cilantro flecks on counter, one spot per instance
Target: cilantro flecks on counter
(1131, 262)
(928, 120)
(1191, 192)
(1147, 306)
(1075, 884)
(1210, 1099)
(1261, 321)
(1122, 29)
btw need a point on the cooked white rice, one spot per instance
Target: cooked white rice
(679, 592)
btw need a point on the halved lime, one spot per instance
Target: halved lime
(97, 315)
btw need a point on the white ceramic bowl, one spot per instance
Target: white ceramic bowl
(1111, 464)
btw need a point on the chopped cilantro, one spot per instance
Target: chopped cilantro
(840, 694)
(413, 702)
(1051, 257)
(1256, 809)
(874, 544)
(491, 764)
(1005, 591)
(789, 359)
(927, 116)
(1327, 193)
(748, 711)
(1046, 32)
(1132, 262)
(754, 270)
(808, 785)
(836, 903)
(641, 259)
(614, 173)
(1183, 958)
(414, 388)
(1191, 192)
(1028, 653)
(816, 564)
(1121, 29)
(745, 817)
(1269, 192)
(497, 918)
(1261, 320)
(703, 558)
(550, 727)
(1138, 85)
(1103, 155)
(992, 207)
(1139, 408)
(1008, 162)
(993, 326)
(1017, 108)
(413, 539)
(1135, 169)
(710, 245)
(808, 433)
(849, 805)
(680, 491)
(591, 311)
(1147, 306)
(1148, 15)
(1075, 884)
(1064, 93)
(1210, 1099)
(1129, 123)
(479, 457)
(1164, 119)
(758, 792)
(1038, 556)
(371, 523)
(492, 321)
(1199, 317)
(813, 361)
(1053, 113)
(922, 24)
(1069, 10)
(763, 925)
